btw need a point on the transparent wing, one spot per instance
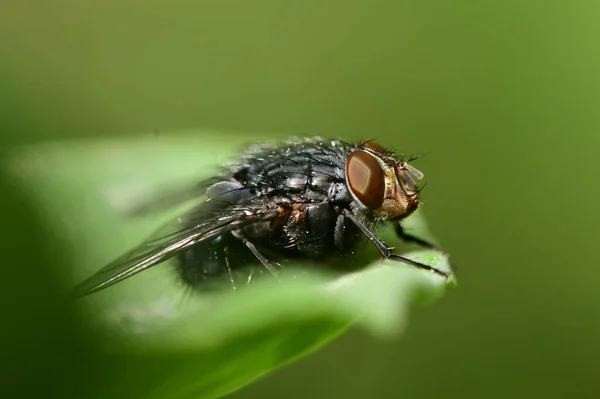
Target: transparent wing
(172, 239)
(172, 198)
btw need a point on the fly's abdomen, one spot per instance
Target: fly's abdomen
(222, 260)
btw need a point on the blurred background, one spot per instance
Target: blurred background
(503, 97)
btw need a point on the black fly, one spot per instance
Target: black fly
(305, 198)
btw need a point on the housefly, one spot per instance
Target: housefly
(310, 199)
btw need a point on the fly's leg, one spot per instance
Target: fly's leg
(419, 241)
(265, 262)
(386, 251)
(229, 268)
(410, 238)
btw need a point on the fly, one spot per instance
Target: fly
(310, 199)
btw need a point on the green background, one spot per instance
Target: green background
(503, 97)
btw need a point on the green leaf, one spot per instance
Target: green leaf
(164, 341)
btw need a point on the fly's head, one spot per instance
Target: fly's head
(387, 186)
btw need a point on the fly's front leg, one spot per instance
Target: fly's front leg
(386, 251)
(419, 241)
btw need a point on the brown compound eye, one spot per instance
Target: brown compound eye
(365, 178)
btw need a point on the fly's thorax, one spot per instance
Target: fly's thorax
(382, 184)
(308, 172)
(228, 191)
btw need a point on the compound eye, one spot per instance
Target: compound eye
(365, 178)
